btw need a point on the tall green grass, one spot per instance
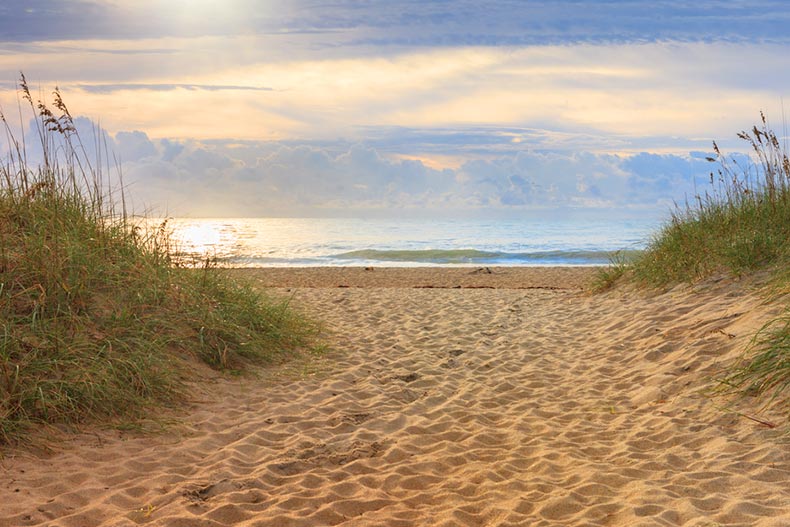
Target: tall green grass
(765, 369)
(740, 225)
(98, 318)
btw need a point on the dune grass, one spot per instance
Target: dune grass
(766, 368)
(606, 277)
(739, 226)
(98, 318)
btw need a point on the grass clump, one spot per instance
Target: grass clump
(98, 319)
(766, 368)
(741, 225)
(606, 277)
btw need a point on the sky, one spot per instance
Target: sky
(406, 107)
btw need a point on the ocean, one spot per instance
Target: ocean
(298, 242)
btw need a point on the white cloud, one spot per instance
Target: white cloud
(201, 179)
(277, 178)
(133, 146)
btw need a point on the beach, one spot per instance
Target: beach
(470, 396)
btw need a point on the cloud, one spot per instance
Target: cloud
(404, 23)
(271, 178)
(109, 88)
(200, 179)
(91, 143)
(588, 97)
(304, 105)
(580, 98)
(50, 19)
(134, 146)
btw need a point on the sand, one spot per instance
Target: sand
(516, 399)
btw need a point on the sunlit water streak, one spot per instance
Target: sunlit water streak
(291, 242)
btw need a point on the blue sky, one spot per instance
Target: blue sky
(507, 108)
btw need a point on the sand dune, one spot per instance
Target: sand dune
(444, 406)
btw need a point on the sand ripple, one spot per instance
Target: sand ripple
(450, 407)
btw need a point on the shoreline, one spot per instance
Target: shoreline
(490, 277)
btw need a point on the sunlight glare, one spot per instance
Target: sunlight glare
(201, 239)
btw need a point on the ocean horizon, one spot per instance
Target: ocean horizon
(335, 242)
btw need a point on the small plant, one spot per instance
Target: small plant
(606, 277)
(98, 318)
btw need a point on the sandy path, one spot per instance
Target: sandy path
(451, 407)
